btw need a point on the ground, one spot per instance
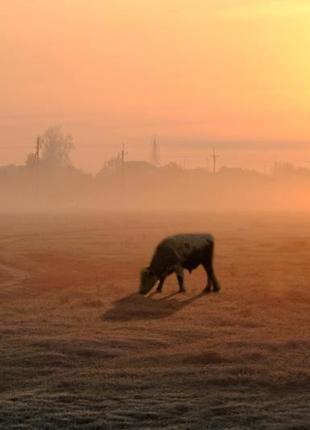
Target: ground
(80, 349)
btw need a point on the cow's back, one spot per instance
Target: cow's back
(187, 245)
(188, 250)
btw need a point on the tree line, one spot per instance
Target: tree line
(49, 180)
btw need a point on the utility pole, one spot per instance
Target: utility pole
(214, 157)
(39, 145)
(154, 155)
(123, 154)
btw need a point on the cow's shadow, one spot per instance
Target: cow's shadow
(138, 307)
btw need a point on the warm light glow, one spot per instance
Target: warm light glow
(124, 70)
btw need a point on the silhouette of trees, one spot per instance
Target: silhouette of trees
(56, 147)
(283, 170)
(114, 162)
(49, 178)
(53, 149)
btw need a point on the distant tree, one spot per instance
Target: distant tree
(114, 162)
(283, 170)
(56, 147)
(31, 160)
(172, 166)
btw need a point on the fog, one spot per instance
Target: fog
(141, 186)
(49, 181)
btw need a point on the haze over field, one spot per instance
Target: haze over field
(48, 181)
(195, 72)
(123, 122)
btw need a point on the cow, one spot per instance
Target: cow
(176, 253)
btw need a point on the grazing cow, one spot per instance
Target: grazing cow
(175, 253)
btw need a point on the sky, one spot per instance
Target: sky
(234, 74)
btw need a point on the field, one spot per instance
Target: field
(80, 349)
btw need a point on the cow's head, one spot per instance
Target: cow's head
(147, 280)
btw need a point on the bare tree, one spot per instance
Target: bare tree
(56, 147)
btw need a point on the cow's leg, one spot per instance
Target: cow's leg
(212, 281)
(160, 285)
(209, 282)
(180, 277)
(216, 285)
(208, 265)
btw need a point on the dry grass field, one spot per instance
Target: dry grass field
(80, 349)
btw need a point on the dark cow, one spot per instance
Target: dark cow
(175, 253)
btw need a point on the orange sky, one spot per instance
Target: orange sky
(192, 71)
